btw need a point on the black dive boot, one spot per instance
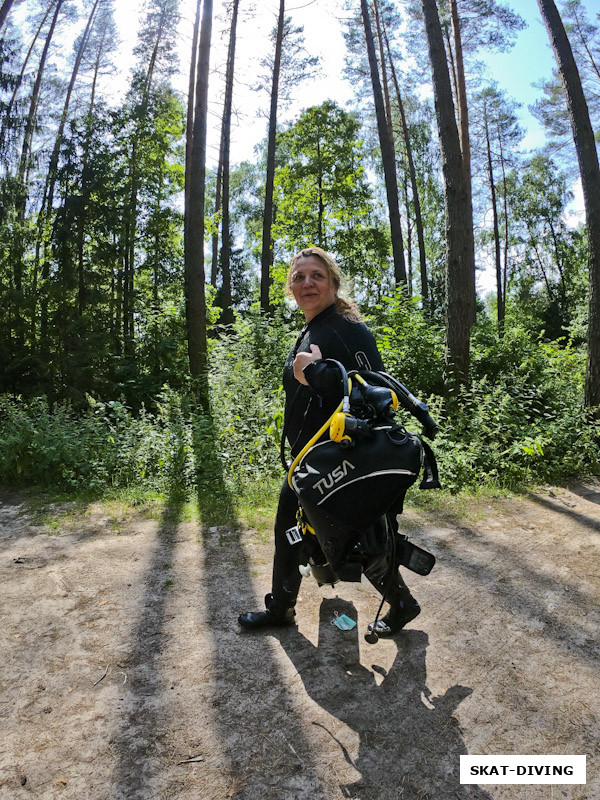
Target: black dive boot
(276, 614)
(399, 615)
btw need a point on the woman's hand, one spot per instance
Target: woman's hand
(302, 360)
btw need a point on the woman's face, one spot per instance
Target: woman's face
(311, 286)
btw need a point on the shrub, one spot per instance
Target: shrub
(521, 419)
(412, 347)
(104, 447)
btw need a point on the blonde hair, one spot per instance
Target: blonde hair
(344, 306)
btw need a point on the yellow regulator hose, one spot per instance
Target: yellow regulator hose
(344, 405)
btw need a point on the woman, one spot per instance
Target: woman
(333, 330)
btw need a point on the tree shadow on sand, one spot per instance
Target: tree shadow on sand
(139, 743)
(410, 742)
(252, 724)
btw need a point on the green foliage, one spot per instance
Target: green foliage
(175, 448)
(322, 194)
(547, 287)
(411, 345)
(551, 109)
(104, 447)
(92, 286)
(522, 419)
(247, 397)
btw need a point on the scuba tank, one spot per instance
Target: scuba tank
(352, 476)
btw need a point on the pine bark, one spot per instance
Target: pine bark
(506, 223)
(460, 250)
(85, 179)
(266, 259)
(413, 182)
(463, 118)
(226, 298)
(382, 61)
(461, 91)
(23, 178)
(495, 227)
(52, 174)
(9, 108)
(189, 131)
(589, 168)
(388, 157)
(4, 9)
(195, 294)
(131, 206)
(214, 269)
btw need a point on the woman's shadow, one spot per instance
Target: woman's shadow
(409, 741)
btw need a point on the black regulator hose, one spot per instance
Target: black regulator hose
(407, 400)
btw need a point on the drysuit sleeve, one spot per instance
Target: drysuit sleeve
(324, 378)
(350, 343)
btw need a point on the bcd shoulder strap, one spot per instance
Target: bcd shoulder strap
(430, 478)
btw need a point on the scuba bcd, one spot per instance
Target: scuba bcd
(351, 478)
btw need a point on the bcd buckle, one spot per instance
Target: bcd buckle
(293, 535)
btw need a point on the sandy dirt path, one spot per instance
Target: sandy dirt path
(124, 674)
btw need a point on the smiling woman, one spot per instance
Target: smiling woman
(313, 273)
(333, 330)
(310, 283)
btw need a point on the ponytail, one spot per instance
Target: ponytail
(348, 309)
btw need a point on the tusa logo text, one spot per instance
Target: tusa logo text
(335, 476)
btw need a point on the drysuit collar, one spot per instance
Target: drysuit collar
(322, 314)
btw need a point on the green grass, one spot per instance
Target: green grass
(255, 508)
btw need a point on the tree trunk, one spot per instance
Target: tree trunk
(30, 124)
(5, 127)
(266, 259)
(195, 294)
(451, 62)
(409, 262)
(506, 235)
(495, 227)
(460, 251)
(4, 9)
(125, 294)
(85, 181)
(118, 340)
(463, 118)
(214, 269)
(130, 212)
(23, 179)
(387, 153)
(320, 204)
(461, 92)
(189, 139)
(53, 163)
(384, 78)
(45, 215)
(189, 130)
(413, 183)
(8, 111)
(533, 244)
(226, 299)
(589, 168)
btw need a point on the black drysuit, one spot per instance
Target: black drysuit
(307, 408)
